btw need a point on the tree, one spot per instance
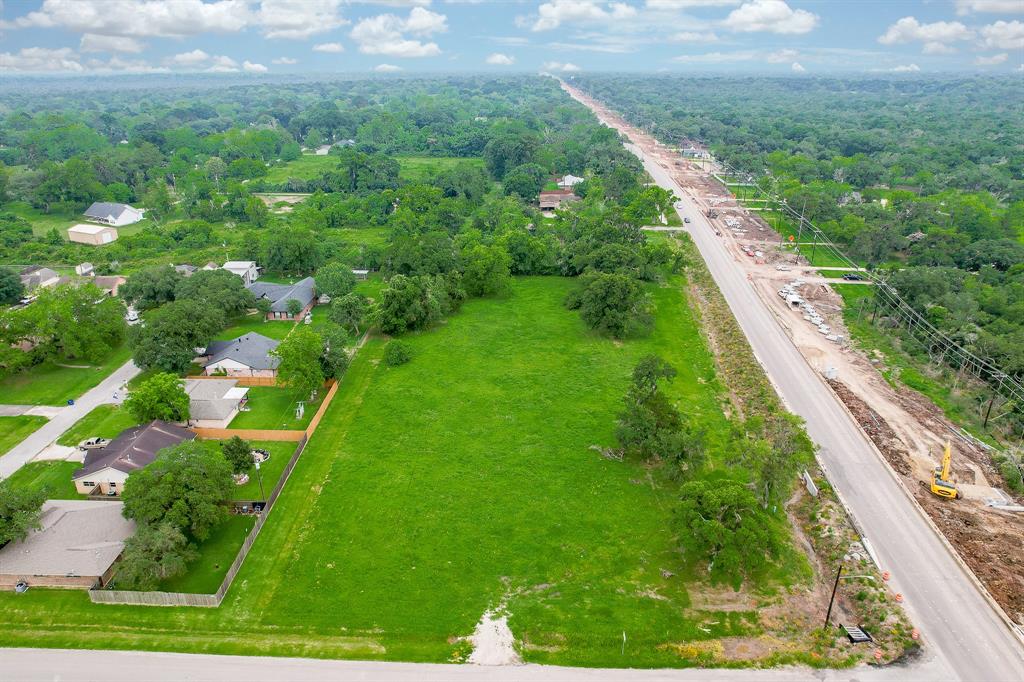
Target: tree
(238, 454)
(292, 250)
(171, 335)
(397, 353)
(526, 181)
(152, 286)
(349, 311)
(11, 289)
(293, 306)
(720, 522)
(153, 554)
(184, 486)
(335, 359)
(406, 303)
(217, 288)
(612, 304)
(486, 271)
(20, 508)
(263, 305)
(69, 321)
(507, 150)
(300, 354)
(335, 279)
(162, 396)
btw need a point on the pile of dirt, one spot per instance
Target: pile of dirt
(989, 541)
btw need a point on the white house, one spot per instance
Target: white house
(214, 403)
(569, 181)
(246, 269)
(113, 214)
(84, 269)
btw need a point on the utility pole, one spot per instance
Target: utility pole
(832, 599)
(259, 477)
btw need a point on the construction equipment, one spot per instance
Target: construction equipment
(942, 483)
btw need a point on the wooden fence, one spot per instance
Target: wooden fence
(207, 600)
(242, 380)
(315, 422)
(250, 434)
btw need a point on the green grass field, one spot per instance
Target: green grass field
(105, 421)
(52, 384)
(272, 407)
(274, 329)
(457, 483)
(205, 574)
(306, 167)
(420, 168)
(13, 430)
(53, 475)
(42, 222)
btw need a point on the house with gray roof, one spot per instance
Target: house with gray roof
(35, 276)
(303, 291)
(245, 356)
(110, 213)
(213, 403)
(77, 545)
(105, 470)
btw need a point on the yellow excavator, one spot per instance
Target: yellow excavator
(942, 482)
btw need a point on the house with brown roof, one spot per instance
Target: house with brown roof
(105, 470)
(77, 545)
(551, 201)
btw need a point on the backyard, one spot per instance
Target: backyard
(273, 407)
(463, 481)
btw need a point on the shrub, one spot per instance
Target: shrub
(397, 353)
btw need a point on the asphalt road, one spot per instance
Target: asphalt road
(65, 418)
(941, 597)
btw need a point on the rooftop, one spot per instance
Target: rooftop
(102, 209)
(213, 398)
(251, 350)
(134, 448)
(280, 294)
(77, 537)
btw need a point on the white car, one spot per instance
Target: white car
(131, 316)
(93, 443)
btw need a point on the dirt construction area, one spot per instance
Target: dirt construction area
(908, 429)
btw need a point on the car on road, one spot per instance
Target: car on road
(854, 277)
(93, 443)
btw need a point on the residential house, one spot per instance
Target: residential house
(34, 276)
(553, 200)
(105, 470)
(213, 403)
(93, 235)
(77, 545)
(113, 214)
(303, 291)
(109, 283)
(84, 269)
(569, 181)
(211, 266)
(692, 152)
(246, 269)
(246, 356)
(186, 270)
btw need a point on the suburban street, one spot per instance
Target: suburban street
(64, 418)
(958, 624)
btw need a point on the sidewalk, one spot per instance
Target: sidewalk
(66, 417)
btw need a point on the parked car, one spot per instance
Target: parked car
(853, 277)
(93, 443)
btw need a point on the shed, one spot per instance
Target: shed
(94, 235)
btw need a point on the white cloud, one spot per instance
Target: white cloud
(935, 36)
(686, 4)
(92, 42)
(554, 13)
(41, 59)
(564, 67)
(386, 33)
(192, 58)
(781, 56)
(298, 18)
(138, 18)
(902, 68)
(250, 67)
(499, 59)
(996, 6)
(284, 60)
(773, 16)
(797, 67)
(1004, 35)
(387, 68)
(694, 37)
(991, 61)
(329, 47)
(223, 64)
(715, 57)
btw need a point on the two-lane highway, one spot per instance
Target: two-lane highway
(942, 597)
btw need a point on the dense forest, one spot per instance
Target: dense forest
(922, 179)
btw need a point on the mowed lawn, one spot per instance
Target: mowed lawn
(52, 475)
(413, 168)
(460, 482)
(13, 430)
(105, 421)
(50, 383)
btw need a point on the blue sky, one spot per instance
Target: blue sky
(695, 36)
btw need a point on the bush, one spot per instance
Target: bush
(397, 353)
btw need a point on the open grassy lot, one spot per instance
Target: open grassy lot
(420, 168)
(53, 475)
(273, 407)
(462, 481)
(42, 222)
(13, 430)
(105, 421)
(371, 286)
(216, 553)
(51, 384)
(306, 167)
(414, 168)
